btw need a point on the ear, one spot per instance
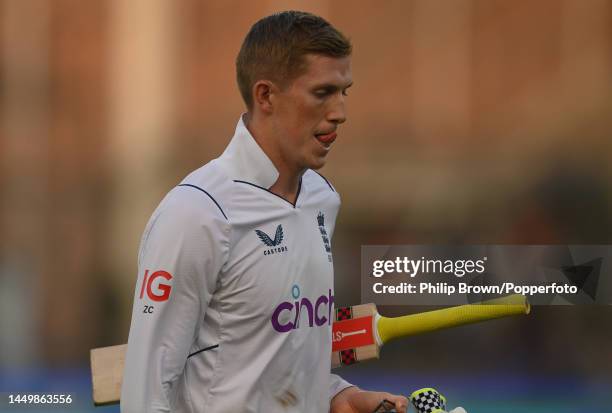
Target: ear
(263, 90)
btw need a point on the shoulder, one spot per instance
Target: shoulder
(319, 183)
(315, 179)
(197, 201)
(206, 191)
(192, 213)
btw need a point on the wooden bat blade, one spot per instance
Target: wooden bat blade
(107, 373)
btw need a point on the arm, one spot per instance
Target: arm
(355, 400)
(336, 385)
(182, 251)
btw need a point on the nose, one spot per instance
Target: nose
(337, 112)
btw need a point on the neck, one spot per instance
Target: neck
(288, 182)
(286, 188)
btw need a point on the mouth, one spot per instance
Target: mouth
(326, 138)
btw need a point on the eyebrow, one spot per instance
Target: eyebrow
(330, 86)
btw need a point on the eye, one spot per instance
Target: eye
(321, 93)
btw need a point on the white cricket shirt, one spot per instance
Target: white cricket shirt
(234, 298)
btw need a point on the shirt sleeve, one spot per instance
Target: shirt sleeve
(182, 252)
(336, 385)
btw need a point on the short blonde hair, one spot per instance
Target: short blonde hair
(276, 46)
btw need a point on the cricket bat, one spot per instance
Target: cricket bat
(358, 333)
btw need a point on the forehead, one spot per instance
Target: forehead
(321, 69)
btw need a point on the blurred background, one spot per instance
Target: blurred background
(470, 121)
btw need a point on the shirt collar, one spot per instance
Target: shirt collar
(246, 161)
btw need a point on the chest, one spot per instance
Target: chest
(279, 252)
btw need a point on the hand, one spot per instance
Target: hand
(355, 400)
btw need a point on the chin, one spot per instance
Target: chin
(317, 164)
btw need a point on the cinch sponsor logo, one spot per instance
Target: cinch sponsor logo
(286, 315)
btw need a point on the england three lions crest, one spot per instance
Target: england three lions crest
(324, 236)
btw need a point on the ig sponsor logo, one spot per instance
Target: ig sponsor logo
(286, 315)
(156, 288)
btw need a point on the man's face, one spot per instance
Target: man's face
(309, 110)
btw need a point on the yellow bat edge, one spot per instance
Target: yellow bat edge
(409, 325)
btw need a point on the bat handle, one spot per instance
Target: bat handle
(391, 328)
